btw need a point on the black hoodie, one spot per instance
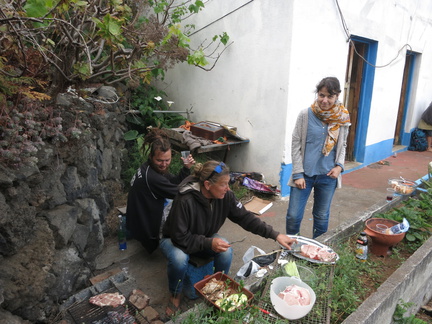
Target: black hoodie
(146, 203)
(193, 218)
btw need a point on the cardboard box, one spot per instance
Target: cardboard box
(258, 206)
(207, 130)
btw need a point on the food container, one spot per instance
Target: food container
(281, 307)
(229, 284)
(207, 130)
(402, 186)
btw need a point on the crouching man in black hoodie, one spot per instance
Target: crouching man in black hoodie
(199, 210)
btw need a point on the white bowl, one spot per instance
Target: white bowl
(282, 308)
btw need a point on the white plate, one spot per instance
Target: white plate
(307, 241)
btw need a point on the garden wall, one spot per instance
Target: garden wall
(52, 214)
(410, 283)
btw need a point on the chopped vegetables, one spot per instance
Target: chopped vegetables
(232, 302)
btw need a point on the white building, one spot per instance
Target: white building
(282, 48)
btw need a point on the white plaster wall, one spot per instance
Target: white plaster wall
(248, 86)
(281, 50)
(398, 26)
(319, 49)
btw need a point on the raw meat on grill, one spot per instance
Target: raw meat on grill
(317, 253)
(295, 296)
(108, 299)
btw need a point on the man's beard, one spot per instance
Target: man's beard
(154, 167)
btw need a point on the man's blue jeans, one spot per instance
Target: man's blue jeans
(178, 262)
(324, 188)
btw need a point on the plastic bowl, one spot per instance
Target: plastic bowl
(281, 307)
(402, 187)
(405, 187)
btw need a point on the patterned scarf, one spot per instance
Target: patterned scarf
(334, 117)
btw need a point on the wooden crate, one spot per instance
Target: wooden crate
(207, 130)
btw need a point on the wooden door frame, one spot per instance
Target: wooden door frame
(405, 99)
(365, 95)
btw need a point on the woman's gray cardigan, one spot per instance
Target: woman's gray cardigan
(299, 145)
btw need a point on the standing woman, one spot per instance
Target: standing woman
(318, 157)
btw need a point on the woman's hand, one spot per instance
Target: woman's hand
(189, 161)
(300, 183)
(219, 245)
(334, 173)
(285, 241)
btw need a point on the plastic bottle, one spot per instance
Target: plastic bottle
(362, 247)
(122, 233)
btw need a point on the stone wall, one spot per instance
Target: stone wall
(52, 215)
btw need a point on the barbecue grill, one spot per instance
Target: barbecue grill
(77, 309)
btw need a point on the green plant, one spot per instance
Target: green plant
(105, 42)
(347, 292)
(145, 99)
(135, 157)
(398, 315)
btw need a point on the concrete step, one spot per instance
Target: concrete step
(111, 253)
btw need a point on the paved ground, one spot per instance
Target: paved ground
(362, 188)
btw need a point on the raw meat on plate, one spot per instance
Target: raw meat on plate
(317, 253)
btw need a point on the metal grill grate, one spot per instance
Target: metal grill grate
(86, 313)
(320, 313)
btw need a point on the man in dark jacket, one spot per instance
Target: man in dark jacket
(199, 210)
(151, 186)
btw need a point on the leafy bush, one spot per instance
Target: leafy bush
(108, 41)
(145, 99)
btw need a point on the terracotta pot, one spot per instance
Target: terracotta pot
(381, 242)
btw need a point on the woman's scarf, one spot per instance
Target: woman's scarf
(336, 116)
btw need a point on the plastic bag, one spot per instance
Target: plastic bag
(259, 186)
(400, 228)
(418, 141)
(249, 266)
(253, 263)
